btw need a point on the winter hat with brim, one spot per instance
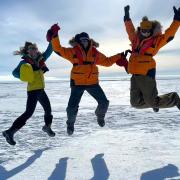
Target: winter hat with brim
(146, 24)
(81, 36)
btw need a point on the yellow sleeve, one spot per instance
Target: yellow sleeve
(66, 53)
(168, 35)
(130, 30)
(107, 61)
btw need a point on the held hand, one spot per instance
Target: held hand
(126, 11)
(49, 35)
(126, 52)
(176, 13)
(123, 62)
(52, 32)
(55, 28)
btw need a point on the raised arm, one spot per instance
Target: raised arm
(171, 31)
(52, 35)
(47, 52)
(107, 61)
(128, 24)
(66, 53)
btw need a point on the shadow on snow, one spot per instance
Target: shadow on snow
(169, 171)
(4, 174)
(60, 170)
(99, 167)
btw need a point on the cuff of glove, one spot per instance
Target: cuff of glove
(177, 18)
(55, 35)
(127, 18)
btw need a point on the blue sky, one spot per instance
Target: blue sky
(22, 21)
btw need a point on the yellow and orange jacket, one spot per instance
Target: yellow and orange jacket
(85, 70)
(141, 59)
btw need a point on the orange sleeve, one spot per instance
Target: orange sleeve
(130, 30)
(168, 35)
(107, 61)
(66, 53)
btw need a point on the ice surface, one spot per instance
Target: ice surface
(134, 144)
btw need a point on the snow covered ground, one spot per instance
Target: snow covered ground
(134, 144)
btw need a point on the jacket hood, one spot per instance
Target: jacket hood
(73, 42)
(156, 26)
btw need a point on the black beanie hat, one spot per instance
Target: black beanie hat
(80, 36)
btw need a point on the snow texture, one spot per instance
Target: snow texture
(134, 144)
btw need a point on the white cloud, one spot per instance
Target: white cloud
(103, 20)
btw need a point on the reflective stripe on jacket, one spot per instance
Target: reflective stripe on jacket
(85, 70)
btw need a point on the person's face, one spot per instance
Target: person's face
(145, 32)
(84, 43)
(32, 51)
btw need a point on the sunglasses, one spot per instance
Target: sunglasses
(145, 30)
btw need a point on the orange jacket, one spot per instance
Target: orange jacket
(141, 59)
(85, 70)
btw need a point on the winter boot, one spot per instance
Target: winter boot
(48, 130)
(101, 111)
(100, 120)
(155, 109)
(71, 115)
(175, 99)
(9, 135)
(70, 128)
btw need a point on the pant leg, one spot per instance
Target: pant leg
(73, 104)
(99, 95)
(169, 100)
(30, 107)
(150, 94)
(136, 96)
(147, 86)
(44, 101)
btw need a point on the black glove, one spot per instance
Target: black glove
(126, 11)
(123, 61)
(127, 51)
(176, 13)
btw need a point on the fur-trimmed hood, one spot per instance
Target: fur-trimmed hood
(73, 42)
(157, 28)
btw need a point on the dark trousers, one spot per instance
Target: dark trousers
(32, 98)
(76, 93)
(144, 94)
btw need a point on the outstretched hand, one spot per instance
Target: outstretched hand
(55, 28)
(123, 61)
(176, 13)
(52, 32)
(126, 11)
